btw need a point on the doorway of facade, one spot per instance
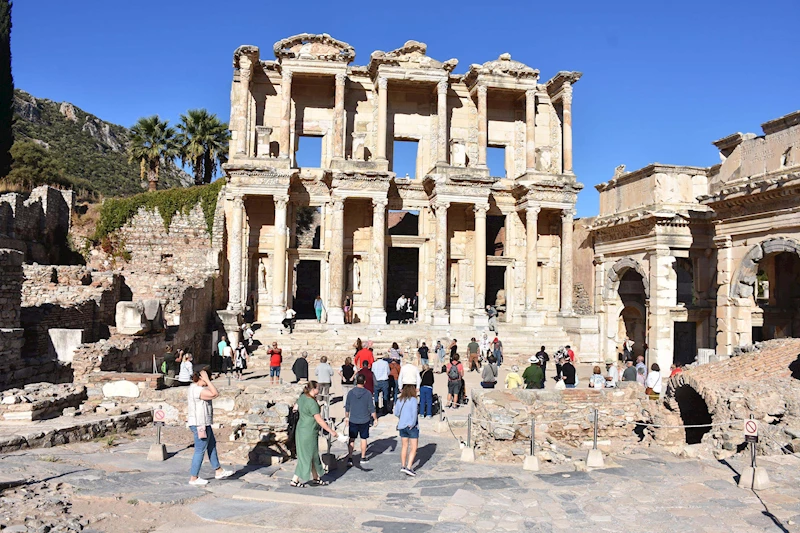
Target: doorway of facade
(777, 295)
(632, 325)
(307, 286)
(685, 343)
(496, 289)
(402, 278)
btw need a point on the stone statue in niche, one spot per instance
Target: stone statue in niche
(544, 159)
(359, 146)
(458, 153)
(262, 275)
(356, 275)
(454, 278)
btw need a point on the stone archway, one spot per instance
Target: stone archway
(746, 275)
(619, 269)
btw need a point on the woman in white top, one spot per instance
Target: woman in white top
(186, 371)
(653, 382)
(200, 417)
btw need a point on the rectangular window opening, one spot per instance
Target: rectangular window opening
(308, 153)
(404, 158)
(495, 235)
(496, 161)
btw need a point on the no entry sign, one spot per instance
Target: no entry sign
(158, 416)
(750, 431)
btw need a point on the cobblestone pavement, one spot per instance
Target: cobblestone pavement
(647, 491)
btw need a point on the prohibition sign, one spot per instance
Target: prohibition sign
(750, 428)
(159, 415)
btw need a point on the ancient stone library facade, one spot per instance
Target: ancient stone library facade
(347, 225)
(371, 182)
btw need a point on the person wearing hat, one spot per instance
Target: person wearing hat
(612, 374)
(533, 375)
(513, 379)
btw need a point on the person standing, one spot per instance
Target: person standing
(640, 365)
(570, 354)
(364, 355)
(406, 410)
(533, 375)
(186, 371)
(513, 379)
(423, 354)
(348, 309)
(497, 350)
(400, 307)
(395, 353)
(223, 342)
(289, 319)
(612, 375)
(275, 361)
(409, 373)
(455, 373)
(200, 415)
(675, 370)
(300, 368)
(543, 359)
(440, 353)
(426, 392)
(627, 348)
(324, 374)
(568, 373)
(453, 348)
(239, 360)
(306, 438)
(369, 379)
(492, 313)
(394, 375)
(348, 375)
(319, 308)
(358, 410)
(380, 371)
(472, 351)
(415, 306)
(248, 334)
(489, 375)
(227, 358)
(653, 383)
(486, 345)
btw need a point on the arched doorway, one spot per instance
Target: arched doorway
(632, 319)
(777, 297)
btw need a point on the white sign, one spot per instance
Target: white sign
(159, 415)
(750, 428)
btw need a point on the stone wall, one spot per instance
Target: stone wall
(583, 267)
(10, 305)
(502, 418)
(37, 224)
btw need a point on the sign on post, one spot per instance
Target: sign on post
(159, 416)
(750, 431)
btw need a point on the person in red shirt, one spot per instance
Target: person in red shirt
(365, 355)
(275, 360)
(675, 370)
(571, 354)
(369, 378)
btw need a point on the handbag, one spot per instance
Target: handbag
(201, 432)
(648, 391)
(561, 385)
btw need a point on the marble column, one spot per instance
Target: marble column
(235, 263)
(441, 142)
(530, 130)
(245, 75)
(383, 85)
(482, 125)
(567, 216)
(725, 309)
(479, 316)
(566, 100)
(377, 314)
(334, 304)
(338, 117)
(531, 256)
(286, 113)
(440, 315)
(279, 259)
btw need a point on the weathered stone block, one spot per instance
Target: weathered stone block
(122, 388)
(130, 319)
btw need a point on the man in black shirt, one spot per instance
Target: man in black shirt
(543, 359)
(568, 373)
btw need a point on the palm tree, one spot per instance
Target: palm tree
(204, 143)
(153, 144)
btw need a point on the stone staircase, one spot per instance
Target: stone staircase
(337, 341)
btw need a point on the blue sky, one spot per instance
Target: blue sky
(661, 79)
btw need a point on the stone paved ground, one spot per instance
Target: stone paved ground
(116, 489)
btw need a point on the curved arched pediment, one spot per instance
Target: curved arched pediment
(314, 47)
(619, 269)
(745, 279)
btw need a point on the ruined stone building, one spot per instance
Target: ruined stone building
(690, 258)
(349, 225)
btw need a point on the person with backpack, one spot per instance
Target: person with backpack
(455, 373)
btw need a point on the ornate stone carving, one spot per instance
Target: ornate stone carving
(314, 47)
(502, 66)
(442, 86)
(412, 55)
(383, 82)
(341, 78)
(482, 90)
(566, 94)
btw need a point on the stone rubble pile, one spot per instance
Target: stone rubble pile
(38, 401)
(39, 508)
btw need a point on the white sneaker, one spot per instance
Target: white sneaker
(198, 481)
(223, 474)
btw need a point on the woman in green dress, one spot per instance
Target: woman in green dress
(309, 467)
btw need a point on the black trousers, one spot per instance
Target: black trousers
(289, 323)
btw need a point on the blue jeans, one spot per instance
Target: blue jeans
(570, 386)
(382, 386)
(426, 401)
(200, 447)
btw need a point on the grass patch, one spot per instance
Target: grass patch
(49, 458)
(133, 501)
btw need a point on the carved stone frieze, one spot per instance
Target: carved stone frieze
(629, 230)
(321, 47)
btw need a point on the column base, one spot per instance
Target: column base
(336, 316)
(480, 319)
(440, 318)
(231, 325)
(532, 318)
(276, 314)
(377, 317)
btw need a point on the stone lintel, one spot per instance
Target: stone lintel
(503, 83)
(352, 166)
(556, 84)
(649, 170)
(313, 67)
(781, 123)
(422, 76)
(443, 171)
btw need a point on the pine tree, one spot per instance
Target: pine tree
(6, 89)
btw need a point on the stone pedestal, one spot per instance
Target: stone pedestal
(158, 452)
(440, 318)
(480, 320)
(231, 324)
(595, 459)
(754, 478)
(532, 318)
(377, 317)
(335, 316)
(531, 463)
(468, 455)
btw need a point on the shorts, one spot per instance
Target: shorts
(359, 430)
(274, 371)
(453, 387)
(409, 433)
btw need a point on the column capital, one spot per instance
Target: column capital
(380, 203)
(566, 93)
(281, 202)
(341, 78)
(238, 201)
(442, 86)
(722, 241)
(383, 82)
(482, 90)
(440, 206)
(567, 214)
(533, 209)
(530, 94)
(481, 210)
(337, 204)
(286, 75)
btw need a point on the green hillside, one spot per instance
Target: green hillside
(84, 146)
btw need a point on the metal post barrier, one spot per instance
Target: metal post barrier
(594, 445)
(469, 431)
(533, 436)
(752, 451)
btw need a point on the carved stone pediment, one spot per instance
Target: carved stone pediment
(412, 55)
(319, 47)
(502, 66)
(246, 50)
